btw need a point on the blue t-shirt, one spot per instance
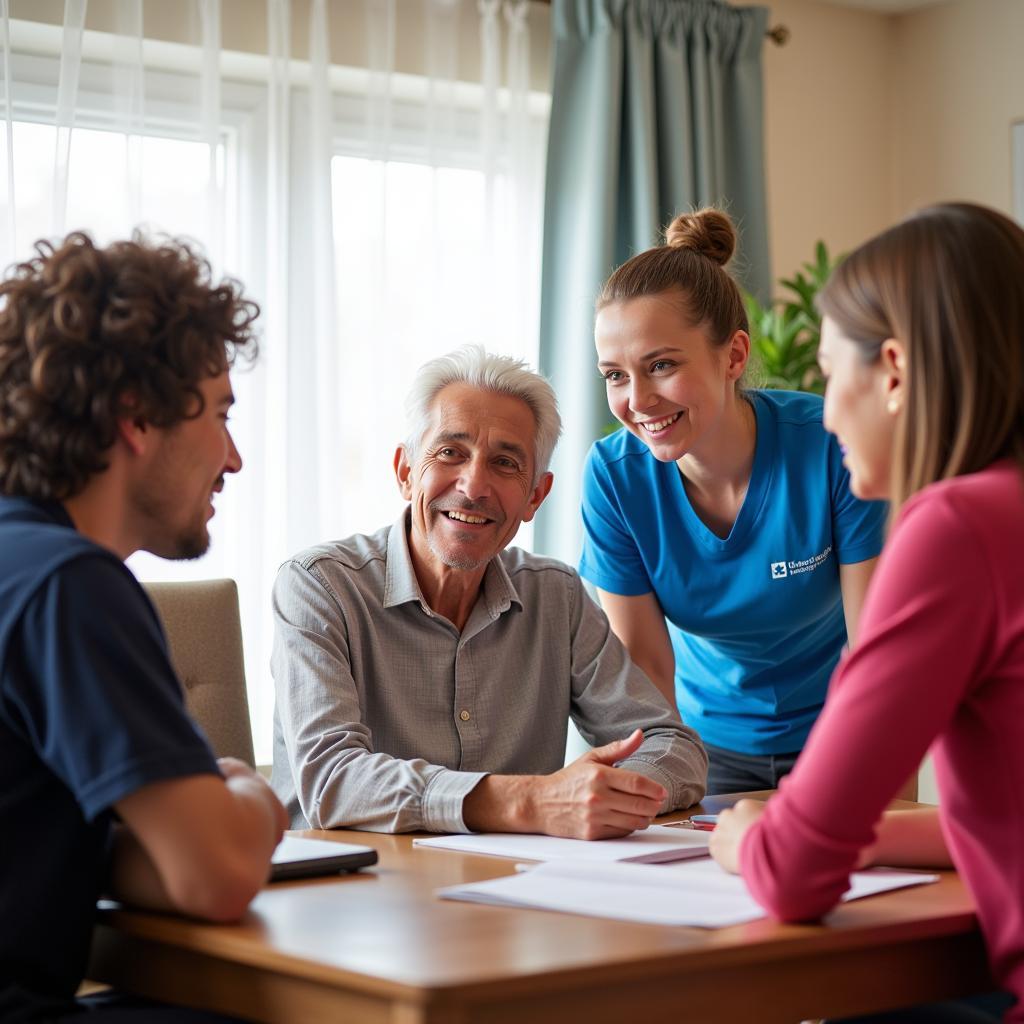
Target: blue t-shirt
(755, 618)
(90, 712)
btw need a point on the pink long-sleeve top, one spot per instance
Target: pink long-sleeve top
(939, 663)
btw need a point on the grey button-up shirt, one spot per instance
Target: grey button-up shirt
(387, 716)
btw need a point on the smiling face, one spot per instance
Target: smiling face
(472, 481)
(173, 496)
(862, 403)
(666, 383)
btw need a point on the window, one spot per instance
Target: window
(435, 236)
(100, 196)
(410, 286)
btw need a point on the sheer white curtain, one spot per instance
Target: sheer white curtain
(437, 231)
(380, 212)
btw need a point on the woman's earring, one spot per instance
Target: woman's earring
(893, 405)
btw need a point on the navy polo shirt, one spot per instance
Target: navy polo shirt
(90, 712)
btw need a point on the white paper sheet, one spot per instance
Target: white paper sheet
(653, 845)
(698, 893)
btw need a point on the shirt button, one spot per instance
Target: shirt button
(464, 715)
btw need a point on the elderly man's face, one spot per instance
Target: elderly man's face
(472, 482)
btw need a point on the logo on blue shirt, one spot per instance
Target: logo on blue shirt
(780, 570)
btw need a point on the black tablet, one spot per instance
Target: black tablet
(296, 857)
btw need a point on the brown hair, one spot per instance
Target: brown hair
(692, 263)
(948, 283)
(89, 336)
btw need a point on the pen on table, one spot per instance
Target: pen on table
(701, 822)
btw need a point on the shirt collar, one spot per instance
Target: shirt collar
(401, 585)
(36, 508)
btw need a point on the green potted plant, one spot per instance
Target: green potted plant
(784, 334)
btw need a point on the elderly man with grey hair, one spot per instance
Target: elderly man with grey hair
(425, 674)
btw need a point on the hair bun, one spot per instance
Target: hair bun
(709, 232)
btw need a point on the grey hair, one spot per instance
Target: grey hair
(503, 375)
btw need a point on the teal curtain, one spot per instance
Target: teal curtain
(656, 108)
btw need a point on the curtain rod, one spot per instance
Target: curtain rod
(778, 34)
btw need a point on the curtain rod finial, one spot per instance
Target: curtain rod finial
(778, 34)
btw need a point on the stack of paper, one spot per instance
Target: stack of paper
(698, 893)
(653, 845)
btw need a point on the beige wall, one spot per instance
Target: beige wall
(869, 115)
(828, 114)
(960, 83)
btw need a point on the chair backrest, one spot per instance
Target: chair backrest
(204, 633)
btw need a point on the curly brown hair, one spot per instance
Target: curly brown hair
(89, 336)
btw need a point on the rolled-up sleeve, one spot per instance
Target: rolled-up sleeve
(339, 780)
(612, 697)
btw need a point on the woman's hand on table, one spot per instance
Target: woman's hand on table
(732, 826)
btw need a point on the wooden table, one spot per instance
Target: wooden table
(380, 946)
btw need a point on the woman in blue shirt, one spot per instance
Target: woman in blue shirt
(720, 531)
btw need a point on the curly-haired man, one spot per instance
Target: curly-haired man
(114, 398)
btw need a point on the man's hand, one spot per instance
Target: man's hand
(591, 799)
(231, 768)
(732, 826)
(588, 799)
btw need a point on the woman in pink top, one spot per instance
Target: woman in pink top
(923, 348)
